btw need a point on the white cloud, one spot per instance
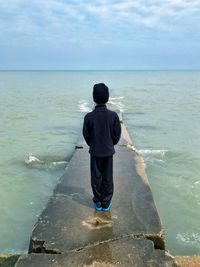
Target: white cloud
(147, 13)
(75, 20)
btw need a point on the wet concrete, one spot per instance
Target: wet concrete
(123, 252)
(69, 221)
(130, 235)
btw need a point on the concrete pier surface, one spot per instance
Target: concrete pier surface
(188, 261)
(127, 251)
(69, 232)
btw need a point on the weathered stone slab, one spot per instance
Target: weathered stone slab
(124, 252)
(69, 221)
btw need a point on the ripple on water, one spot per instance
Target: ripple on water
(189, 239)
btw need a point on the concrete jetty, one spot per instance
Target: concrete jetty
(69, 232)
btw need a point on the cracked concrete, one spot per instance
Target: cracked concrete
(123, 252)
(63, 223)
(130, 235)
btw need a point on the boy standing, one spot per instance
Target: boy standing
(101, 130)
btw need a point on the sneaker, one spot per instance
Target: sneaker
(108, 208)
(98, 206)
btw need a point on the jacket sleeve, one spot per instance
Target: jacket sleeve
(116, 130)
(85, 131)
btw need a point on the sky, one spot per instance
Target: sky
(99, 34)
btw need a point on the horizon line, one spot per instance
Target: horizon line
(167, 69)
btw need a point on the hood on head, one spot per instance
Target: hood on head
(100, 93)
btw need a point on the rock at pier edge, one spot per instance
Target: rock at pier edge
(70, 233)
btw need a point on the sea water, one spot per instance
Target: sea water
(41, 120)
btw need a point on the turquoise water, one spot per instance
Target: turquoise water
(41, 119)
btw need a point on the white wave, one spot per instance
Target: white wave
(31, 159)
(161, 152)
(34, 162)
(197, 182)
(58, 163)
(84, 106)
(191, 239)
(159, 161)
(116, 98)
(117, 104)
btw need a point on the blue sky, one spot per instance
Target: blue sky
(99, 34)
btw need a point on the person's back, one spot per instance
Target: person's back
(104, 131)
(101, 130)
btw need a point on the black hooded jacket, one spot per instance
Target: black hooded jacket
(101, 130)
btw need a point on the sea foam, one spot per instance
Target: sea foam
(34, 162)
(115, 102)
(189, 239)
(159, 152)
(84, 106)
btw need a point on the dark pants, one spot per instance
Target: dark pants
(102, 179)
